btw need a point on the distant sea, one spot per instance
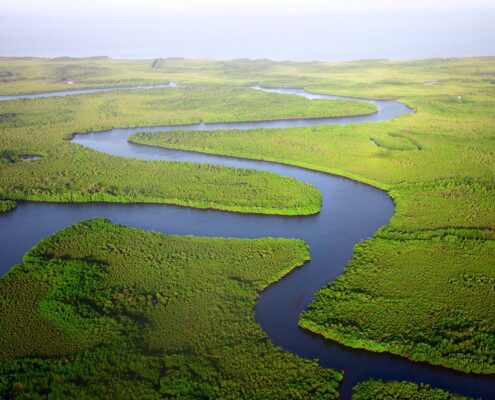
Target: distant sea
(340, 36)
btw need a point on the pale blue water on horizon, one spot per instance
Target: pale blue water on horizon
(398, 34)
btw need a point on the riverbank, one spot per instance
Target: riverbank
(448, 182)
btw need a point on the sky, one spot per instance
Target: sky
(222, 29)
(142, 7)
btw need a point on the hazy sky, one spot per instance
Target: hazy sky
(277, 29)
(122, 7)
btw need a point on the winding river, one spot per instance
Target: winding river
(351, 212)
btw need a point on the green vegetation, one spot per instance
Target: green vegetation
(406, 290)
(69, 172)
(380, 390)
(448, 281)
(6, 205)
(449, 183)
(104, 311)
(421, 288)
(379, 78)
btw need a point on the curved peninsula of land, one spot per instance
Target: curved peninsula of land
(350, 212)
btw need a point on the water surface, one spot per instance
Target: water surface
(351, 212)
(73, 92)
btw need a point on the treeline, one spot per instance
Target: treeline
(90, 177)
(421, 289)
(425, 297)
(374, 389)
(100, 310)
(373, 78)
(71, 173)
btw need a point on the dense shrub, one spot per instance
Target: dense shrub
(103, 311)
(380, 390)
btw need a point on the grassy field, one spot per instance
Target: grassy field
(104, 311)
(436, 257)
(380, 78)
(380, 390)
(69, 172)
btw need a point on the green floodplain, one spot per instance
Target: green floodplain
(104, 311)
(423, 287)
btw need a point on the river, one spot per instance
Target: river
(351, 212)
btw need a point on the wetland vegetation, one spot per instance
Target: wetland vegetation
(69, 172)
(6, 205)
(439, 167)
(422, 287)
(375, 389)
(103, 311)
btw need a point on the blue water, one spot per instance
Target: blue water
(351, 212)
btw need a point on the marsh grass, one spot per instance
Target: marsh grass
(69, 172)
(100, 310)
(422, 287)
(374, 389)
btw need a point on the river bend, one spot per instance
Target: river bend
(351, 212)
